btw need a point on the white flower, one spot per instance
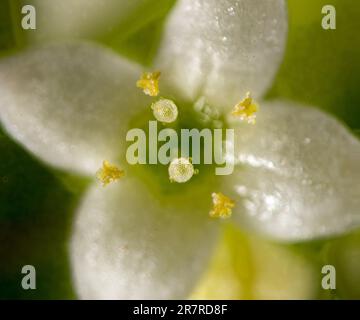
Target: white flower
(297, 169)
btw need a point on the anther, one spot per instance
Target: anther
(149, 82)
(246, 109)
(109, 173)
(222, 206)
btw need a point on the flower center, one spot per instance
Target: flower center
(178, 125)
(181, 169)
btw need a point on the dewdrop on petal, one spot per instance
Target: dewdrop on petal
(109, 173)
(246, 109)
(222, 206)
(165, 110)
(149, 82)
(181, 170)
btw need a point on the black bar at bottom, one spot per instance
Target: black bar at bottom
(175, 309)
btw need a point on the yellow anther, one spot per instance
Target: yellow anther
(149, 82)
(165, 110)
(246, 109)
(109, 173)
(222, 206)
(181, 170)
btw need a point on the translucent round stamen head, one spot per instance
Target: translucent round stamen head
(222, 206)
(149, 82)
(181, 170)
(165, 110)
(246, 109)
(109, 173)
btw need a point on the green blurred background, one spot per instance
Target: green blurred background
(320, 68)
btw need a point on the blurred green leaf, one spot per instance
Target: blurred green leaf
(344, 255)
(35, 221)
(10, 34)
(146, 14)
(141, 43)
(141, 46)
(322, 67)
(102, 22)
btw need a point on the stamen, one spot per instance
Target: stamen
(149, 82)
(246, 109)
(222, 206)
(165, 110)
(109, 173)
(181, 170)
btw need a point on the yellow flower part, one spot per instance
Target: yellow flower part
(149, 82)
(222, 206)
(230, 272)
(237, 270)
(246, 109)
(109, 173)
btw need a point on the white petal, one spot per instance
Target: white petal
(298, 174)
(70, 104)
(129, 243)
(88, 19)
(221, 49)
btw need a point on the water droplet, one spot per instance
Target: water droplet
(242, 190)
(231, 11)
